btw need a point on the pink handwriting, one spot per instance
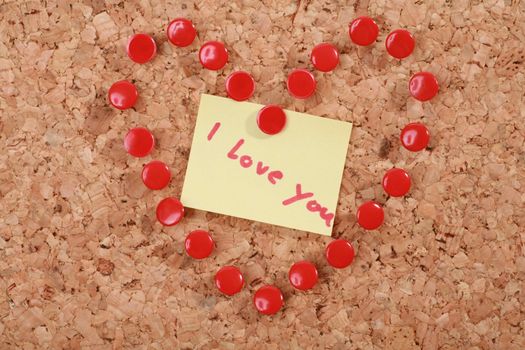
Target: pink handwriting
(298, 195)
(312, 206)
(213, 130)
(246, 161)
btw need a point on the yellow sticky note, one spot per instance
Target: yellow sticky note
(290, 179)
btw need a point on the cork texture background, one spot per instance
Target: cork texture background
(85, 265)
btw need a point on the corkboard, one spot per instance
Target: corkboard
(84, 264)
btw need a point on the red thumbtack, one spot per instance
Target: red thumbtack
(139, 142)
(340, 253)
(400, 43)
(170, 211)
(271, 119)
(303, 275)
(325, 57)
(423, 86)
(268, 300)
(229, 280)
(415, 137)
(363, 31)
(181, 32)
(213, 55)
(301, 83)
(141, 48)
(199, 244)
(156, 175)
(123, 94)
(370, 215)
(396, 182)
(240, 86)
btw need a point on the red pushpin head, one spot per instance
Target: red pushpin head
(170, 211)
(229, 280)
(181, 32)
(301, 83)
(423, 86)
(271, 119)
(156, 175)
(396, 182)
(141, 48)
(363, 31)
(340, 253)
(240, 86)
(415, 137)
(213, 55)
(370, 215)
(268, 300)
(139, 142)
(325, 57)
(199, 244)
(123, 94)
(303, 275)
(400, 43)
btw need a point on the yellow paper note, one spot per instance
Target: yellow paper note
(290, 179)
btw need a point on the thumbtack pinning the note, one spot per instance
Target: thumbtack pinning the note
(271, 119)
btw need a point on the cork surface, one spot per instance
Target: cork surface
(85, 265)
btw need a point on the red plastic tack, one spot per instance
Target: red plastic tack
(370, 215)
(423, 86)
(415, 137)
(396, 182)
(199, 244)
(340, 253)
(170, 211)
(141, 48)
(325, 57)
(229, 280)
(240, 86)
(301, 83)
(156, 175)
(123, 94)
(213, 55)
(268, 300)
(271, 119)
(363, 31)
(181, 32)
(400, 43)
(303, 275)
(139, 142)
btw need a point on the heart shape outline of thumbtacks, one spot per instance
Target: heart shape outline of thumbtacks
(271, 119)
